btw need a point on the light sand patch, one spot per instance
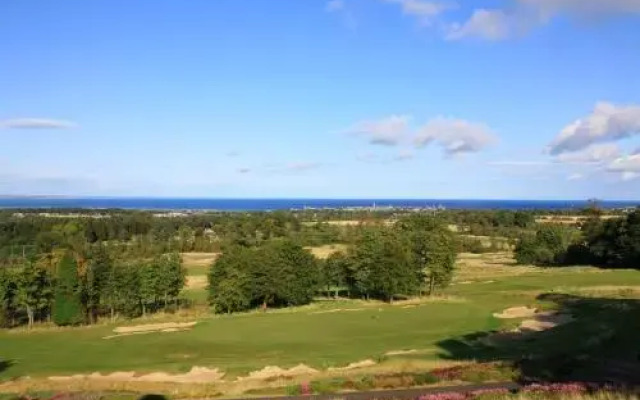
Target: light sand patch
(155, 327)
(199, 259)
(196, 375)
(544, 321)
(272, 371)
(167, 327)
(323, 252)
(196, 282)
(400, 352)
(541, 321)
(517, 312)
(354, 365)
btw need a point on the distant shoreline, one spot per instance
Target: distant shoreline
(267, 204)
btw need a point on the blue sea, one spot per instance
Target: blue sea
(291, 204)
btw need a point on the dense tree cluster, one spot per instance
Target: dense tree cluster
(613, 243)
(72, 293)
(279, 273)
(383, 262)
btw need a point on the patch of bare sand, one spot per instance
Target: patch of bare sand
(155, 327)
(196, 282)
(354, 365)
(272, 371)
(151, 328)
(517, 312)
(541, 321)
(400, 352)
(196, 375)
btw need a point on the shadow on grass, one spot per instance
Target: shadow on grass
(601, 343)
(153, 397)
(4, 365)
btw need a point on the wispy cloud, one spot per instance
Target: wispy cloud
(426, 12)
(627, 166)
(36, 123)
(243, 170)
(340, 8)
(334, 6)
(594, 154)
(455, 136)
(389, 131)
(575, 177)
(523, 15)
(607, 123)
(516, 17)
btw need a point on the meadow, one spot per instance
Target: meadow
(415, 335)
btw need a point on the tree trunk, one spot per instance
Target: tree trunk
(30, 316)
(113, 312)
(144, 309)
(432, 284)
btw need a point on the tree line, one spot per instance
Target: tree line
(610, 243)
(413, 257)
(70, 291)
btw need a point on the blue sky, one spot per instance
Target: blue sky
(536, 99)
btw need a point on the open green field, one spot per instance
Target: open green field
(322, 335)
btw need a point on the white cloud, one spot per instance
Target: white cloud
(626, 163)
(388, 131)
(549, 8)
(425, 11)
(485, 24)
(523, 15)
(36, 123)
(455, 136)
(607, 123)
(335, 5)
(575, 177)
(594, 154)
(627, 166)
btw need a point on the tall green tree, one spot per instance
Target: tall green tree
(380, 266)
(33, 291)
(7, 298)
(230, 280)
(432, 247)
(67, 305)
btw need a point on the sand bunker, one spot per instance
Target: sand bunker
(517, 312)
(277, 372)
(355, 365)
(155, 327)
(544, 321)
(536, 322)
(151, 328)
(400, 352)
(196, 375)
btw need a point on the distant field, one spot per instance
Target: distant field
(323, 252)
(325, 334)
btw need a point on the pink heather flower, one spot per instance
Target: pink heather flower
(305, 388)
(560, 388)
(444, 396)
(496, 391)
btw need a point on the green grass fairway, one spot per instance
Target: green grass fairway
(312, 335)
